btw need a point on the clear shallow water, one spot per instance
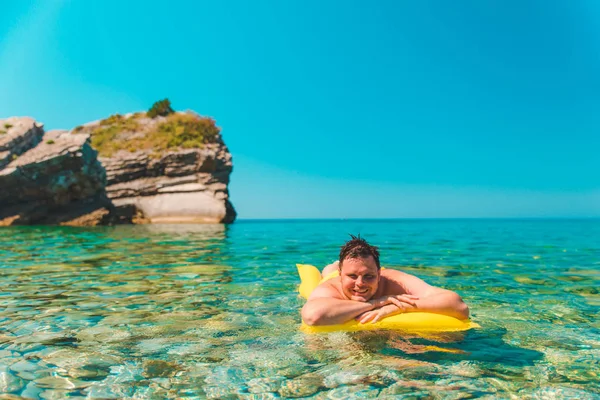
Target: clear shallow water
(211, 311)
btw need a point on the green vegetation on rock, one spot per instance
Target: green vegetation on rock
(104, 136)
(137, 132)
(8, 126)
(161, 108)
(185, 131)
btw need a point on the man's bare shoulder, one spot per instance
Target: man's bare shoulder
(398, 282)
(330, 288)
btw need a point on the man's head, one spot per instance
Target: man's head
(358, 247)
(359, 269)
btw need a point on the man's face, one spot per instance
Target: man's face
(360, 278)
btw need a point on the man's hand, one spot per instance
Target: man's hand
(386, 306)
(379, 313)
(402, 301)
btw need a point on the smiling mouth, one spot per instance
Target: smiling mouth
(364, 291)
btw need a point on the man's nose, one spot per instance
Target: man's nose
(359, 281)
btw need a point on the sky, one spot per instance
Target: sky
(339, 109)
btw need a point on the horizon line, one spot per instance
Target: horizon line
(412, 218)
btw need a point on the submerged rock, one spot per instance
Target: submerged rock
(302, 386)
(31, 391)
(102, 334)
(264, 385)
(8, 381)
(24, 369)
(60, 383)
(159, 369)
(76, 359)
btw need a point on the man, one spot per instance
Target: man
(366, 293)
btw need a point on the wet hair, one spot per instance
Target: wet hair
(358, 247)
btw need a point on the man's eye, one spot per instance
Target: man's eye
(369, 277)
(352, 276)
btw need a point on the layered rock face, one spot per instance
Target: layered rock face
(161, 181)
(17, 135)
(50, 178)
(167, 169)
(187, 186)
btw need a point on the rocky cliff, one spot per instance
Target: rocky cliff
(50, 178)
(171, 169)
(167, 169)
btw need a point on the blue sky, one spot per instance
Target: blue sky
(340, 109)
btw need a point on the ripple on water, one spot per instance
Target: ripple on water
(179, 312)
(9, 382)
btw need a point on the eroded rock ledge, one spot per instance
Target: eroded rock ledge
(170, 169)
(50, 178)
(184, 186)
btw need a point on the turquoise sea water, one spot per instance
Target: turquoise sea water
(210, 311)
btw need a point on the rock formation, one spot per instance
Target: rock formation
(173, 168)
(50, 178)
(170, 169)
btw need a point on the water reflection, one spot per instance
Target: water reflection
(170, 233)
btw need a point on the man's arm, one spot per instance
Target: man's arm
(431, 298)
(442, 301)
(330, 311)
(325, 307)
